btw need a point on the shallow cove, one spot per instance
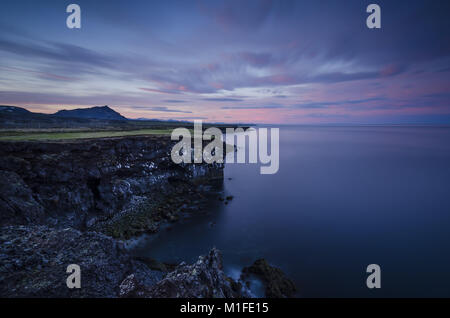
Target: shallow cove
(344, 197)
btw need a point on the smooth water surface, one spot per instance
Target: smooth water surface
(344, 197)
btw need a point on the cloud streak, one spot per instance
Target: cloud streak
(230, 59)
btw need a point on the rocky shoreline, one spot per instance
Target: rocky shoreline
(76, 202)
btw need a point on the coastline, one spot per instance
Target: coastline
(85, 201)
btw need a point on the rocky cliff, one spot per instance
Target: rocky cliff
(33, 262)
(67, 203)
(76, 202)
(100, 184)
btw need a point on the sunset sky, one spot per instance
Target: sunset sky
(289, 62)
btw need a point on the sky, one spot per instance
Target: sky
(279, 62)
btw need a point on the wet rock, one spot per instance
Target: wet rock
(132, 288)
(152, 263)
(276, 283)
(128, 286)
(204, 278)
(34, 260)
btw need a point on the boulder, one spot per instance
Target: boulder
(203, 279)
(276, 283)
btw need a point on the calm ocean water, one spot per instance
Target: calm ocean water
(344, 197)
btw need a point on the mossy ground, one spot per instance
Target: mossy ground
(23, 136)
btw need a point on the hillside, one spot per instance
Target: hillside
(99, 117)
(97, 112)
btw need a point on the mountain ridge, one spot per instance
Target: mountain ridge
(96, 112)
(14, 117)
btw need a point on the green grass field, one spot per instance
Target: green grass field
(24, 136)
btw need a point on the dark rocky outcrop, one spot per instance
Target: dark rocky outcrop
(67, 203)
(276, 283)
(34, 259)
(122, 187)
(203, 279)
(59, 199)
